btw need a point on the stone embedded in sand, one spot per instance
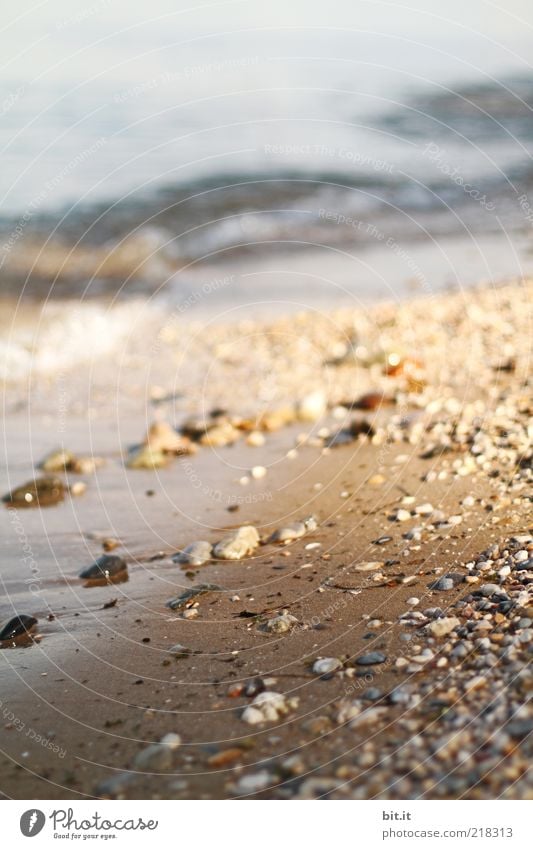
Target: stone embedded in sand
(41, 492)
(372, 658)
(161, 437)
(57, 461)
(237, 544)
(105, 567)
(326, 665)
(18, 626)
(147, 457)
(158, 756)
(369, 566)
(268, 707)
(312, 407)
(281, 623)
(62, 460)
(195, 554)
(255, 439)
(296, 530)
(188, 596)
(401, 515)
(220, 435)
(276, 419)
(442, 627)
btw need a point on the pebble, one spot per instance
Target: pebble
(369, 566)
(443, 584)
(371, 659)
(281, 623)
(268, 707)
(237, 544)
(188, 597)
(195, 554)
(255, 439)
(105, 567)
(442, 627)
(158, 756)
(258, 472)
(41, 492)
(17, 627)
(326, 665)
(401, 515)
(312, 407)
(294, 531)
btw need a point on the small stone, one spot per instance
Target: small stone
(41, 492)
(258, 472)
(195, 554)
(147, 457)
(369, 566)
(424, 509)
(104, 568)
(189, 596)
(158, 756)
(17, 627)
(441, 627)
(255, 439)
(255, 782)
(78, 488)
(312, 407)
(294, 531)
(281, 624)
(443, 584)
(489, 589)
(268, 707)
(237, 544)
(371, 659)
(326, 665)
(401, 515)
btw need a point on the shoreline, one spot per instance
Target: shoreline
(333, 742)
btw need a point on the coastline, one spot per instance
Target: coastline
(104, 693)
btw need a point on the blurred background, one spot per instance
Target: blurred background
(149, 148)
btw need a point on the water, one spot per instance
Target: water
(137, 158)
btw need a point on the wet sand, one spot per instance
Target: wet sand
(81, 706)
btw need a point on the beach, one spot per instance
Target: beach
(378, 650)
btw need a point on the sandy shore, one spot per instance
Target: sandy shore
(413, 590)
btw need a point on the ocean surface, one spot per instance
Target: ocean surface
(162, 162)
